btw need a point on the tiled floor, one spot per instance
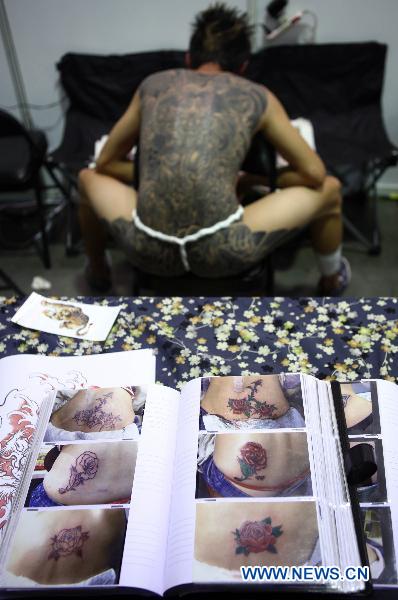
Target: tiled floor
(372, 275)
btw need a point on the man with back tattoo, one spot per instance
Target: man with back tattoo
(195, 126)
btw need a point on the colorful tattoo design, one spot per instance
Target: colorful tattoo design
(96, 416)
(67, 542)
(250, 406)
(85, 467)
(257, 536)
(253, 458)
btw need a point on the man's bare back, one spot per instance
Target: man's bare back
(195, 133)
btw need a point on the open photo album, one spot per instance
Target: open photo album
(110, 481)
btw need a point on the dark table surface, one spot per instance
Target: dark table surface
(344, 339)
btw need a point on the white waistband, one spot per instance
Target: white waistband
(192, 237)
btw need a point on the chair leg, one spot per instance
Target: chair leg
(10, 284)
(375, 248)
(135, 286)
(270, 270)
(43, 232)
(66, 190)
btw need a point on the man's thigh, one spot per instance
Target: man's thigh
(287, 209)
(109, 198)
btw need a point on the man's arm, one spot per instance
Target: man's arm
(306, 167)
(112, 159)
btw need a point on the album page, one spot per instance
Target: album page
(371, 412)
(250, 485)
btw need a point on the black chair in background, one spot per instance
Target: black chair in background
(339, 88)
(23, 155)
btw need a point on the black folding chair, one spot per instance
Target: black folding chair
(338, 87)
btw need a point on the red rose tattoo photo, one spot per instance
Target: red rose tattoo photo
(257, 536)
(249, 406)
(67, 542)
(252, 459)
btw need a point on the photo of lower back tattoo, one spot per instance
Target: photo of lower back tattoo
(83, 473)
(97, 413)
(253, 464)
(251, 402)
(372, 489)
(231, 534)
(379, 544)
(75, 546)
(361, 408)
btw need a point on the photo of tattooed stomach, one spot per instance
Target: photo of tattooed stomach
(231, 534)
(67, 547)
(253, 465)
(97, 413)
(89, 473)
(253, 402)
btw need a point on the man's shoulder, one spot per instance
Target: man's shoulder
(160, 78)
(249, 84)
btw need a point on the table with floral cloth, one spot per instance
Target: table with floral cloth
(346, 339)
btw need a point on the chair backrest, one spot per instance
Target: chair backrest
(10, 126)
(338, 87)
(20, 155)
(102, 86)
(99, 89)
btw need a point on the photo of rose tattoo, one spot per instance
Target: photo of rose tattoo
(85, 467)
(253, 458)
(67, 542)
(96, 416)
(250, 406)
(257, 536)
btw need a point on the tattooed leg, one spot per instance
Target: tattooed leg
(101, 198)
(296, 207)
(67, 542)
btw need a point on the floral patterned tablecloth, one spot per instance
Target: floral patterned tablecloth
(345, 339)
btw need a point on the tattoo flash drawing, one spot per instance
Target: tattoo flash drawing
(85, 467)
(67, 542)
(253, 458)
(257, 536)
(96, 416)
(250, 406)
(71, 317)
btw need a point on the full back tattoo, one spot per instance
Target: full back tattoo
(196, 129)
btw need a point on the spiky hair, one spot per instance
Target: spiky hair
(220, 35)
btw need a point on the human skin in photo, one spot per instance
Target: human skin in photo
(89, 473)
(256, 402)
(64, 547)
(231, 534)
(254, 464)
